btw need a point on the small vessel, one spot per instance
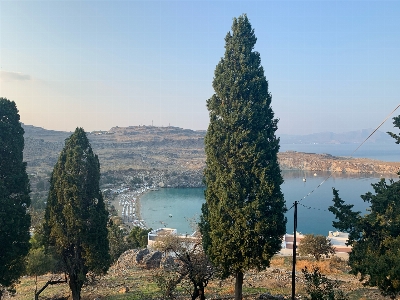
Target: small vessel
(304, 179)
(170, 215)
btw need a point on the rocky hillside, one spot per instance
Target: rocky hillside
(171, 155)
(120, 149)
(292, 160)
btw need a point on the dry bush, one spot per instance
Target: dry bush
(339, 264)
(324, 266)
(277, 262)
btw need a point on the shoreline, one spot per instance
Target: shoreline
(128, 207)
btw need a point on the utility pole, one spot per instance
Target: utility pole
(294, 252)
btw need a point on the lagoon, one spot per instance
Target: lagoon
(175, 207)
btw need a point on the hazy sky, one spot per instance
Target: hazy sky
(331, 65)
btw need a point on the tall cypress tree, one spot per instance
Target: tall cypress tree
(14, 196)
(76, 217)
(243, 217)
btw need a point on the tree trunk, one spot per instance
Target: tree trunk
(195, 292)
(239, 286)
(201, 290)
(75, 286)
(75, 291)
(198, 290)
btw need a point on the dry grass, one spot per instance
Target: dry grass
(140, 285)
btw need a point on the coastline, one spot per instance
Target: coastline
(313, 215)
(128, 207)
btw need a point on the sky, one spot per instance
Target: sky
(331, 65)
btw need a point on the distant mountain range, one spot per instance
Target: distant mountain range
(174, 151)
(350, 137)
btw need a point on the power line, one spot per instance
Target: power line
(330, 175)
(309, 207)
(376, 128)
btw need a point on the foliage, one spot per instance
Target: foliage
(76, 218)
(242, 221)
(167, 281)
(316, 246)
(38, 262)
(136, 181)
(137, 237)
(188, 262)
(14, 196)
(38, 203)
(396, 123)
(116, 238)
(319, 287)
(375, 237)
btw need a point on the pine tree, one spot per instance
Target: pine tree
(76, 217)
(14, 196)
(242, 221)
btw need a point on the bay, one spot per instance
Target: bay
(383, 152)
(174, 207)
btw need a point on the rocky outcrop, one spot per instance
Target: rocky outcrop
(292, 160)
(168, 263)
(141, 254)
(152, 260)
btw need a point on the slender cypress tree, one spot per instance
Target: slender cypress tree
(76, 217)
(243, 217)
(14, 196)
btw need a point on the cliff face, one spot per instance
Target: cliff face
(292, 160)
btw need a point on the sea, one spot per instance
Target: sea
(180, 208)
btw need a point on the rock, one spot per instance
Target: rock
(152, 260)
(168, 263)
(141, 254)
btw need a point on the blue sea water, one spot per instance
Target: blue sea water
(174, 207)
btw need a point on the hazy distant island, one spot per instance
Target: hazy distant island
(174, 157)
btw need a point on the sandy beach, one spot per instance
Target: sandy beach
(127, 205)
